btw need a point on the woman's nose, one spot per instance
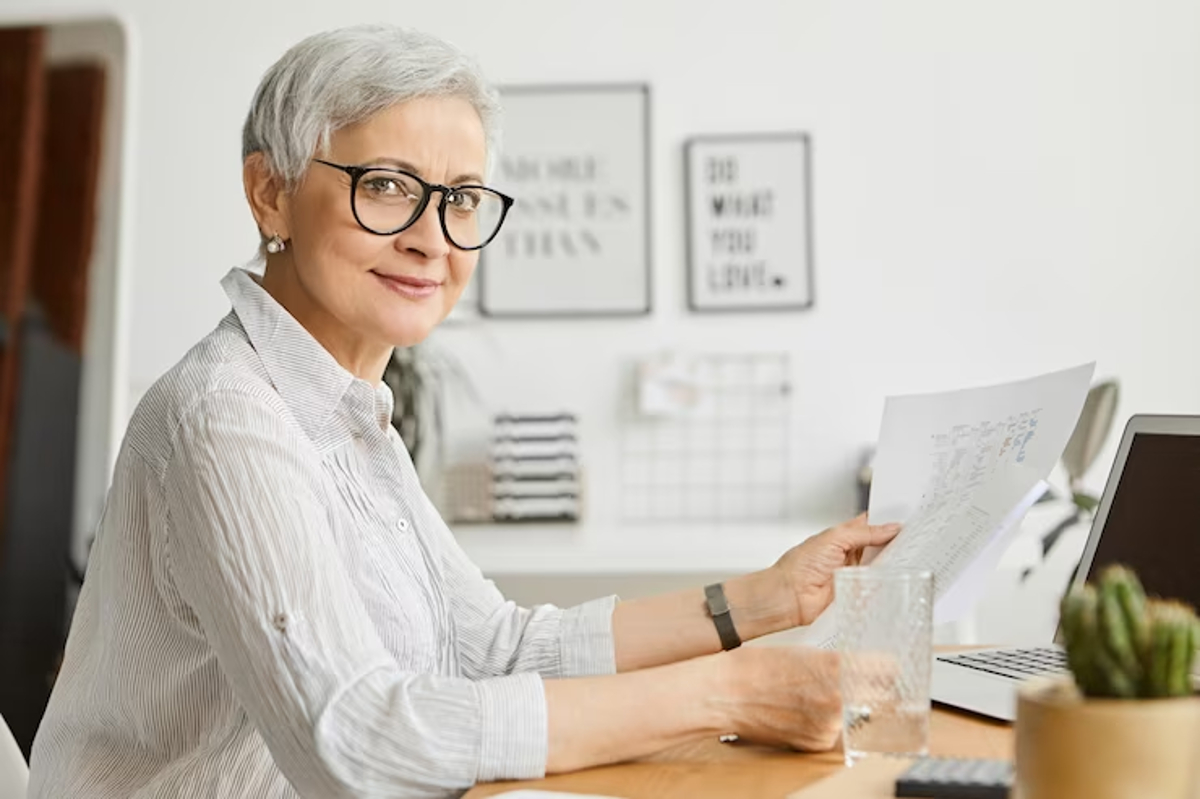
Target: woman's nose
(425, 236)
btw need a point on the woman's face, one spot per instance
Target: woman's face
(390, 291)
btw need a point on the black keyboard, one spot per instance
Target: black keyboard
(1016, 664)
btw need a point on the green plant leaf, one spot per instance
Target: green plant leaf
(1087, 502)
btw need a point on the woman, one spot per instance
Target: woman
(273, 608)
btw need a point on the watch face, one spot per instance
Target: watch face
(717, 603)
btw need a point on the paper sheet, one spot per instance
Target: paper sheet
(960, 597)
(956, 468)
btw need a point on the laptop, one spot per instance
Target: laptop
(1148, 519)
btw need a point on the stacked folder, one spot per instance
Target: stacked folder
(535, 468)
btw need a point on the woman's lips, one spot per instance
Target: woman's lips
(412, 287)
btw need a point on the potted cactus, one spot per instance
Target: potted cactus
(1124, 724)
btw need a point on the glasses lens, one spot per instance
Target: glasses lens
(473, 215)
(386, 201)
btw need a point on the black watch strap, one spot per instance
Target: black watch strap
(718, 608)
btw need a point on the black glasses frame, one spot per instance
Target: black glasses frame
(427, 188)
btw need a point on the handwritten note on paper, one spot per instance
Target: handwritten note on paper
(957, 600)
(953, 466)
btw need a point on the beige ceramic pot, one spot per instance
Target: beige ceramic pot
(1069, 747)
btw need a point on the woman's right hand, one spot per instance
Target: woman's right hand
(782, 696)
(785, 696)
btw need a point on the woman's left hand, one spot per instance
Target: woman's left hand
(807, 569)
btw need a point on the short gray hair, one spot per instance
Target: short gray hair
(341, 77)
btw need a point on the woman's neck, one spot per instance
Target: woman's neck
(362, 358)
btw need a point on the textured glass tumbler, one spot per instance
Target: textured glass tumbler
(885, 637)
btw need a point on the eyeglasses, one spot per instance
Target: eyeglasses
(388, 201)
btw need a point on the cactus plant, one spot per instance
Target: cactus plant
(1122, 645)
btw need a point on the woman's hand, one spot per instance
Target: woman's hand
(654, 631)
(806, 570)
(784, 696)
(781, 696)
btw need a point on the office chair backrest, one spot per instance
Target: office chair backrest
(14, 774)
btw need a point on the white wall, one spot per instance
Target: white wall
(1000, 188)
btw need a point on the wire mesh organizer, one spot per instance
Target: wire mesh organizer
(708, 439)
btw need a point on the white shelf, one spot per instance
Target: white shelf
(661, 548)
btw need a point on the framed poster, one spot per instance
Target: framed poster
(577, 240)
(749, 220)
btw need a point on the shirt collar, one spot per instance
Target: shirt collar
(309, 380)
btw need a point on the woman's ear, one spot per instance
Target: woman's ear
(267, 197)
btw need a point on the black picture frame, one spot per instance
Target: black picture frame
(690, 148)
(645, 191)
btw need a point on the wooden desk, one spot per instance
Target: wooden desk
(711, 769)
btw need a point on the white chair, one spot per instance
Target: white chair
(14, 774)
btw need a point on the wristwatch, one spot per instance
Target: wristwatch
(718, 608)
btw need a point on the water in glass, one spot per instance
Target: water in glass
(885, 634)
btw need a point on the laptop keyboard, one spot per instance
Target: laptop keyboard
(1016, 664)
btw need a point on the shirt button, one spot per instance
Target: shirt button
(402, 525)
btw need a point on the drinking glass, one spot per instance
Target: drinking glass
(885, 637)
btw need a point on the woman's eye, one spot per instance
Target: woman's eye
(392, 188)
(465, 200)
(384, 186)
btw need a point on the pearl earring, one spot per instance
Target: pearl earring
(275, 244)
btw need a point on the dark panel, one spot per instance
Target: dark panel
(49, 220)
(67, 204)
(37, 520)
(1153, 525)
(22, 98)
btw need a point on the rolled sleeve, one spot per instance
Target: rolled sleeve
(515, 730)
(585, 639)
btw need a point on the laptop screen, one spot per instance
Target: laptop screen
(1153, 525)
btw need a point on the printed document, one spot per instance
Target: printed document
(959, 470)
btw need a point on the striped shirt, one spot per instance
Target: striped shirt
(273, 607)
